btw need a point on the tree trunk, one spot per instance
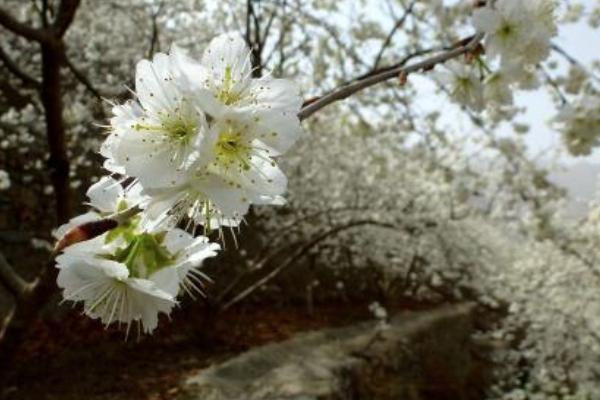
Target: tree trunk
(51, 95)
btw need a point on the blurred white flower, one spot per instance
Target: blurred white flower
(463, 84)
(579, 123)
(378, 310)
(4, 180)
(517, 31)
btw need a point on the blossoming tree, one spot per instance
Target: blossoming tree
(198, 140)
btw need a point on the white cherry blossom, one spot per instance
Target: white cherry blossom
(158, 137)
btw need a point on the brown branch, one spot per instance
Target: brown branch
(7, 320)
(573, 61)
(19, 28)
(155, 31)
(348, 90)
(17, 285)
(267, 29)
(388, 39)
(301, 252)
(65, 16)
(28, 308)
(82, 78)
(12, 66)
(51, 95)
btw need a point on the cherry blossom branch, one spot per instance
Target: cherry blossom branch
(573, 61)
(348, 90)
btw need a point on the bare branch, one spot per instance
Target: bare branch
(573, 61)
(12, 66)
(7, 320)
(82, 78)
(388, 39)
(65, 16)
(552, 82)
(19, 28)
(17, 285)
(301, 252)
(154, 42)
(348, 90)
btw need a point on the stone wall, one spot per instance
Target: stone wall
(417, 356)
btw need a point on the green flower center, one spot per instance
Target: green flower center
(144, 255)
(179, 129)
(176, 127)
(226, 95)
(506, 30)
(232, 151)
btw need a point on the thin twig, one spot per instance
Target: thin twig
(12, 66)
(17, 285)
(82, 78)
(18, 28)
(302, 251)
(346, 91)
(388, 39)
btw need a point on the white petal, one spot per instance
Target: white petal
(105, 194)
(230, 200)
(153, 85)
(228, 51)
(148, 300)
(486, 20)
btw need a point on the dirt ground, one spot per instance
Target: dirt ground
(75, 358)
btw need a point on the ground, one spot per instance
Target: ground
(72, 357)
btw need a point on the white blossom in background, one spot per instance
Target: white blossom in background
(378, 311)
(579, 123)
(4, 180)
(463, 83)
(518, 32)
(127, 274)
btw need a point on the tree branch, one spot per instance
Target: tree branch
(17, 285)
(82, 78)
(388, 39)
(12, 66)
(573, 61)
(7, 320)
(18, 28)
(155, 31)
(65, 16)
(302, 251)
(348, 90)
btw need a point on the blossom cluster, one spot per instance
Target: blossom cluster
(197, 146)
(579, 122)
(517, 38)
